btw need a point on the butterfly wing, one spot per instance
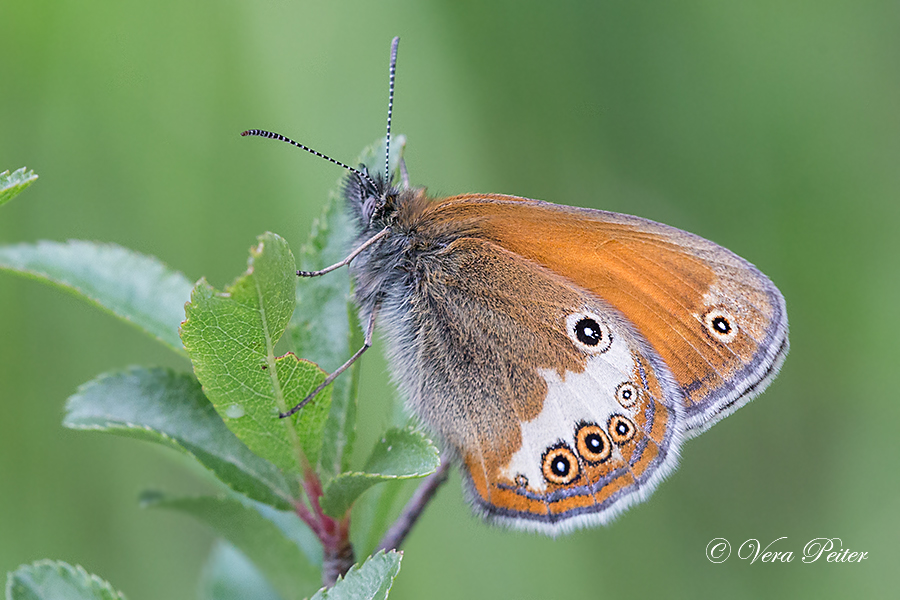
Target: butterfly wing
(718, 323)
(561, 413)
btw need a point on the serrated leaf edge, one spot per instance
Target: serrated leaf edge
(271, 360)
(171, 442)
(78, 292)
(357, 566)
(10, 185)
(381, 477)
(62, 566)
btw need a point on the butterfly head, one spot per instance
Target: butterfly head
(372, 199)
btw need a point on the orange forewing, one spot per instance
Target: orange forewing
(661, 278)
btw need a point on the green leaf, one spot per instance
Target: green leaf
(400, 454)
(372, 514)
(231, 336)
(325, 327)
(374, 510)
(280, 558)
(371, 581)
(162, 406)
(134, 287)
(12, 185)
(291, 527)
(229, 575)
(56, 580)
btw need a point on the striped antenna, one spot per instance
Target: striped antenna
(278, 136)
(387, 142)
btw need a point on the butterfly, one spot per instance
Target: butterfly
(562, 355)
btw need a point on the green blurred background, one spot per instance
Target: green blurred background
(772, 128)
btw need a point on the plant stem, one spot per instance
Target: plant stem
(413, 509)
(337, 552)
(334, 534)
(307, 517)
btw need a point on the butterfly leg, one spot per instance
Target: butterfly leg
(347, 260)
(367, 343)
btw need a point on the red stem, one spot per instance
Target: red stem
(334, 534)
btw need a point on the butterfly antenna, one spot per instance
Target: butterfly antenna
(387, 142)
(278, 136)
